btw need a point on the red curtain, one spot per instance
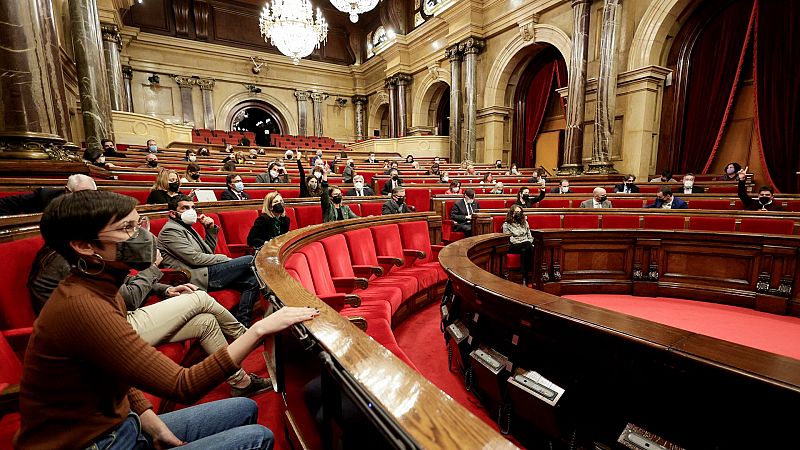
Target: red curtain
(536, 106)
(713, 71)
(777, 90)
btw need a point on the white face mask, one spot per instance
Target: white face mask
(688, 184)
(565, 189)
(273, 173)
(514, 170)
(101, 160)
(445, 179)
(192, 158)
(318, 175)
(189, 217)
(358, 185)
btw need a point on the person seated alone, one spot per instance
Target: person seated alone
(371, 159)
(665, 200)
(455, 187)
(110, 150)
(310, 186)
(535, 178)
(766, 196)
(359, 189)
(192, 174)
(270, 223)
(331, 202)
(444, 178)
(462, 210)
(666, 177)
(235, 189)
(275, 174)
(434, 170)
(524, 197)
(392, 166)
(151, 146)
(37, 201)
(349, 171)
(563, 188)
(392, 183)
(689, 187)
(598, 200)
(521, 239)
(627, 186)
(488, 178)
(166, 186)
(731, 172)
(397, 203)
(151, 162)
(184, 249)
(190, 155)
(498, 188)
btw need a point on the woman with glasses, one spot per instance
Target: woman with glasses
(167, 185)
(102, 365)
(272, 222)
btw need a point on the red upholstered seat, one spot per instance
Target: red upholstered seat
(363, 253)
(16, 311)
(419, 198)
(709, 204)
(664, 222)
(793, 205)
(497, 223)
(582, 221)
(292, 218)
(554, 203)
(627, 202)
(645, 189)
(298, 267)
(388, 243)
(308, 215)
(10, 374)
(767, 226)
(139, 194)
(356, 208)
(415, 236)
(235, 226)
(492, 204)
(615, 221)
(372, 208)
(712, 223)
(539, 221)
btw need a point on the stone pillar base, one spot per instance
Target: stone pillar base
(601, 168)
(36, 146)
(569, 170)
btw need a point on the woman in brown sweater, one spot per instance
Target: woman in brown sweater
(85, 365)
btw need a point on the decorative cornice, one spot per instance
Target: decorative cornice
(205, 84)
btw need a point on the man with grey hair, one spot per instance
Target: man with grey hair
(359, 189)
(37, 201)
(598, 200)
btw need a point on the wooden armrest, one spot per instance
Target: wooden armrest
(419, 254)
(390, 260)
(350, 283)
(353, 300)
(364, 271)
(335, 301)
(175, 277)
(359, 322)
(9, 398)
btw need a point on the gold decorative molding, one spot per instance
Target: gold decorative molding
(527, 27)
(36, 146)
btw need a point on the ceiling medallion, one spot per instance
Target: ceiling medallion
(354, 7)
(291, 27)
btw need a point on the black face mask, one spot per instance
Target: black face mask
(173, 187)
(526, 196)
(278, 209)
(499, 165)
(138, 252)
(400, 200)
(535, 179)
(764, 200)
(517, 216)
(395, 177)
(603, 198)
(194, 176)
(352, 164)
(336, 199)
(152, 163)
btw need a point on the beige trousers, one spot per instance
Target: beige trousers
(188, 316)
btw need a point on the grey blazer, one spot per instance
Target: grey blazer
(183, 248)
(588, 204)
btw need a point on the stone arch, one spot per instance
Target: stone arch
(513, 54)
(427, 91)
(230, 106)
(649, 43)
(374, 116)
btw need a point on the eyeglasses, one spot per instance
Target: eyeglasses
(132, 228)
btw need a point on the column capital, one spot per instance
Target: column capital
(110, 33)
(472, 45)
(205, 84)
(184, 81)
(453, 53)
(127, 72)
(580, 2)
(359, 99)
(402, 79)
(302, 96)
(318, 97)
(390, 84)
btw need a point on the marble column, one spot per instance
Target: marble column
(606, 92)
(207, 89)
(34, 118)
(454, 55)
(302, 111)
(187, 104)
(391, 87)
(127, 78)
(576, 98)
(111, 47)
(92, 82)
(471, 47)
(402, 81)
(317, 98)
(359, 101)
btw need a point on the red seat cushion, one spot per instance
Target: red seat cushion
(318, 265)
(544, 221)
(582, 221)
(388, 243)
(709, 204)
(228, 298)
(372, 208)
(236, 225)
(297, 266)
(627, 202)
(554, 203)
(16, 310)
(620, 220)
(712, 223)
(664, 222)
(308, 215)
(419, 198)
(513, 260)
(768, 226)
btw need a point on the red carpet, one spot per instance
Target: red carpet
(764, 331)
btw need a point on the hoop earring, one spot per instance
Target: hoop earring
(83, 266)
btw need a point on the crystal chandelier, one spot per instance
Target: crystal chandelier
(354, 7)
(291, 27)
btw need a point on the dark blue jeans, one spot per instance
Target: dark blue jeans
(236, 274)
(224, 424)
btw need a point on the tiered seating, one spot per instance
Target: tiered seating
(219, 137)
(304, 142)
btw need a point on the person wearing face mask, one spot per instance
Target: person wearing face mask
(627, 186)
(359, 189)
(331, 202)
(731, 172)
(461, 212)
(310, 186)
(524, 198)
(110, 150)
(151, 146)
(689, 187)
(37, 201)
(274, 174)
(190, 155)
(598, 200)
(488, 178)
(98, 161)
(666, 177)
(371, 159)
(397, 203)
(151, 162)
(235, 189)
(409, 159)
(393, 182)
(513, 170)
(444, 178)
(766, 196)
(563, 188)
(434, 170)
(516, 225)
(288, 155)
(535, 178)
(167, 185)
(203, 152)
(192, 174)
(349, 171)
(271, 223)
(455, 187)
(498, 164)
(102, 364)
(317, 157)
(392, 166)
(498, 188)
(665, 200)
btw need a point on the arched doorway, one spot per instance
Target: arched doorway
(258, 117)
(383, 127)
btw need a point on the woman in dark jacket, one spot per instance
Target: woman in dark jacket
(272, 222)
(311, 186)
(524, 199)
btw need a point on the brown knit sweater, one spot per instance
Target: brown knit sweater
(84, 364)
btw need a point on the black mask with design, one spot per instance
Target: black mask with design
(400, 200)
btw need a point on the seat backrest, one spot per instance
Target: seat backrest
(492, 204)
(297, 266)
(583, 221)
(615, 221)
(767, 226)
(627, 202)
(361, 248)
(139, 194)
(308, 215)
(387, 242)
(338, 256)
(419, 198)
(664, 222)
(10, 366)
(356, 208)
(415, 236)
(497, 223)
(709, 204)
(16, 310)
(222, 241)
(237, 224)
(371, 208)
(292, 218)
(712, 223)
(539, 221)
(554, 203)
(793, 205)
(318, 265)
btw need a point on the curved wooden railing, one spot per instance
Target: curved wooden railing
(410, 410)
(692, 390)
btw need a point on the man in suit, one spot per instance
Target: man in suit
(766, 196)
(563, 188)
(275, 174)
(665, 200)
(235, 189)
(392, 166)
(397, 203)
(627, 186)
(598, 200)
(394, 182)
(371, 158)
(461, 213)
(37, 201)
(689, 187)
(184, 249)
(358, 189)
